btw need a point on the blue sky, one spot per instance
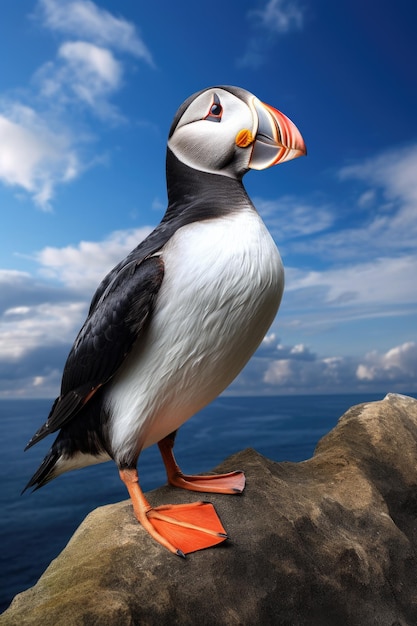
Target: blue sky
(87, 94)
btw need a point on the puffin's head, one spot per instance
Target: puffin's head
(227, 130)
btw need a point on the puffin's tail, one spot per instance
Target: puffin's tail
(45, 472)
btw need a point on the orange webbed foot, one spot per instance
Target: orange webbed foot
(181, 528)
(188, 527)
(231, 483)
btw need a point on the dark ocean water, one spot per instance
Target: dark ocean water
(35, 527)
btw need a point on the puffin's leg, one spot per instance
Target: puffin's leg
(181, 528)
(232, 483)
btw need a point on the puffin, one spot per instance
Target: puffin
(173, 324)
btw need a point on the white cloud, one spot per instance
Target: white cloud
(367, 271)
(37, 330)
(82, 73)
(280, 16)
(26, 328)
(319, 375)
(384, 281)
(367, 198)
(289, 217)
(97, 63)
(395, 370)
(41, 145)
(32, 155)
(39, 320)
(399, 363)
(389, 224)
(86, 67)
(34, 342)
(269, 340)
(274, 19)
(383, 213)
(12, 277)
(84, 19)
(393, 170)
(82, 267)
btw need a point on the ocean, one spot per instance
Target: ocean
(35, 527)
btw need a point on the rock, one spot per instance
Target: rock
(328, 541)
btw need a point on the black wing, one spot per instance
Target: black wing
(115, 322)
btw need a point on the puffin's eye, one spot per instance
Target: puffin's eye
(215, 111)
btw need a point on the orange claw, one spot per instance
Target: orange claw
(181, 528)
(231, 483)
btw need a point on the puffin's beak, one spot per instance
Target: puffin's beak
(277, 138)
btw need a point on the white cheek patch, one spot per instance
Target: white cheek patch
(210, 146)
(198, 147)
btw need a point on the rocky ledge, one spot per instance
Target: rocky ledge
(331, 540)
